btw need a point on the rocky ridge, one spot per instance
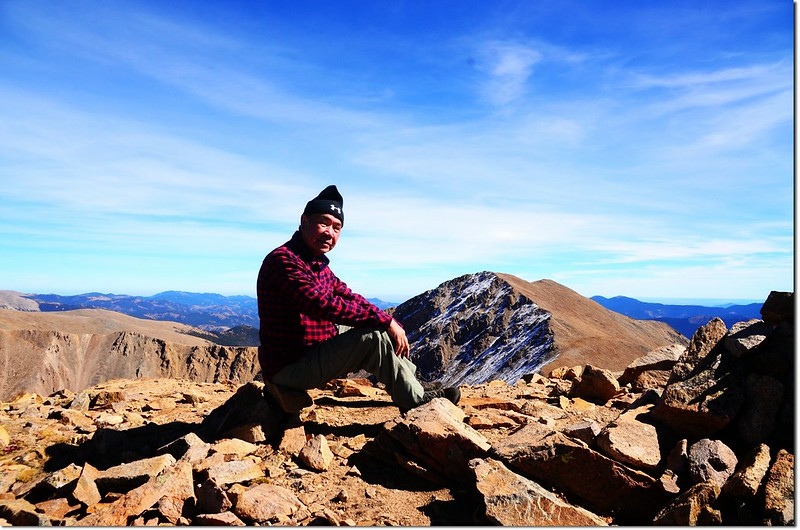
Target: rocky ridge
(684, 435)
(487, 326)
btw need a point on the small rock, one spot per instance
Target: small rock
(233, 471)
(132, 474)
(316, 454)
(234, 446)
(218, 519)
(266, 503)
(86, 491)
(585, 431)
(342, 496)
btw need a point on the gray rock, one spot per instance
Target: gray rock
(126, 476)
(779, 307)
(86, 490)
(435, 435)
(632, 442)
(232, 471)
(678, 458)
(711, 460)
(317, 454)
(652, 371)
(172, 482)
(585, 431)
(744, 337)
(218, 519)
(212, 498)
(190, 448)
(555, 460)
(765, 395)
(19, 512)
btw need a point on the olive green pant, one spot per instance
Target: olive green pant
(356, 349)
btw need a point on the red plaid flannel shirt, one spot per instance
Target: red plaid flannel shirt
(300, 301)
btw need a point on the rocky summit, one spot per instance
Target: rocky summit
(697, 434)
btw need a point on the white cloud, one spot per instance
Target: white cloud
(508, 66)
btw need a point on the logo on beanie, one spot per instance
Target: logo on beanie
(328, 201)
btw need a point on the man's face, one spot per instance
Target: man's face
(320, 232)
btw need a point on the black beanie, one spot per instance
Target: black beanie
(328, 201)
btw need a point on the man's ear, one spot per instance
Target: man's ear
(303, 220)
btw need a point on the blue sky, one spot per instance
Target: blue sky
(625, 148)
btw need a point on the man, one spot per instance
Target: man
(301, 306)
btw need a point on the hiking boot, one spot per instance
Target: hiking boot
(451, 393)
(432, 385)
(289, 400)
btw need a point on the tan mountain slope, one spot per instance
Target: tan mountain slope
(587, 333)
(100, 322)
(45, 352)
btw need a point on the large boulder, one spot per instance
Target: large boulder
(705, 391)
(595, 384)
(556, 460)
(652, 371)
(435, 436)
(510, 499)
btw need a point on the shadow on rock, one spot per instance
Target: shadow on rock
(246, 415)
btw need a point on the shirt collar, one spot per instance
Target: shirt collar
(299, 246)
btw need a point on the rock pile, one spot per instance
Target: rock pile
(692, 435)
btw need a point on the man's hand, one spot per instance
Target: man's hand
(398, 335)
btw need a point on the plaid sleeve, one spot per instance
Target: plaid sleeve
(321, 295)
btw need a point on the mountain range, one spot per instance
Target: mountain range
(233, 320)
(469, 330)
(684, 318)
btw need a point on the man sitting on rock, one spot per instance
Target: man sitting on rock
(302, 305)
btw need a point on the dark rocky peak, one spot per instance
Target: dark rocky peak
(476, 328)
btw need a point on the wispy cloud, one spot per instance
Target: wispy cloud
(508, 67)
(552, 154)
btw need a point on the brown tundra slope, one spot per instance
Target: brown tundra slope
(587, 333)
